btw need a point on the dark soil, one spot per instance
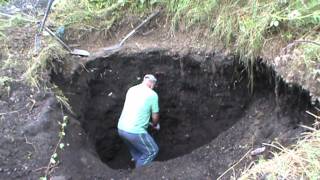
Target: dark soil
(209, 117)
(202, 97)
(27, 134)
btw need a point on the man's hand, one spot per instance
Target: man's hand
(155, 121)
(155, 126)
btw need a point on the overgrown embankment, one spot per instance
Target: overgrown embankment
(250, 29)
(283, 33)
(243, 26)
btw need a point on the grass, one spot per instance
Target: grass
(310, 53)
(243, 25)
(84, 13)
(10, 60)
(61, 98)
(5, 87)
(2, 2)
(300, 162)
(5, 83)
(12, 22)
(37, 69)
(39, 66)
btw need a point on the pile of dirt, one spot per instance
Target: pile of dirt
(26, 143)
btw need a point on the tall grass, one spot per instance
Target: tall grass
(97, 15)
(190, 12)
(243, 25)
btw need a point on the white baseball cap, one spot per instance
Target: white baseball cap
(150, 77)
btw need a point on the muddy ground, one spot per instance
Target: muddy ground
(209, 116)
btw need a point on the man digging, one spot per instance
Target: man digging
(141, 103)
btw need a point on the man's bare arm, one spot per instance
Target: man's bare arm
(155, 118)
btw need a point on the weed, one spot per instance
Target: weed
(300, 162)
(241, 25)
(226, 25)
(311, 52)
(11, 22)
(61, 98)
(88, 14)
(5, 80)
(54, 159)
(39, 66)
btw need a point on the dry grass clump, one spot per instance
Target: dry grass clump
(39, 66)
(300, 162)
(51, 59)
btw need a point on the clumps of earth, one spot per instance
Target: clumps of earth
(212, 113)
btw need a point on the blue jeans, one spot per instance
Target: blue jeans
(142, 147)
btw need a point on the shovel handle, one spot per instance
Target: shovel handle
(58, 39)
(45, 15)
(139, 26)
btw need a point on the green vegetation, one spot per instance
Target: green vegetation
(4, 80)
(14, 21)
(39, 66)
(301, 162)
(3, 2)
(97, 14)
(243, 25)
(54, 159)
(310, 53)
(5, 84)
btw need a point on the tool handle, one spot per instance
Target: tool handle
(58, 39)
(45, 15)
(139, 26)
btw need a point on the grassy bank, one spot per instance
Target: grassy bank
(244, 25)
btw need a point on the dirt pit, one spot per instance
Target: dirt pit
(200, 97)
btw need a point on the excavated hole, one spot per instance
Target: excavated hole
(199, 98)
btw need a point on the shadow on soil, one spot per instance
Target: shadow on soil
(201, 96)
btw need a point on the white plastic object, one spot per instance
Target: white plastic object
(258, 151)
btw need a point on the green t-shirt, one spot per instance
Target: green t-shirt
(140, 102)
